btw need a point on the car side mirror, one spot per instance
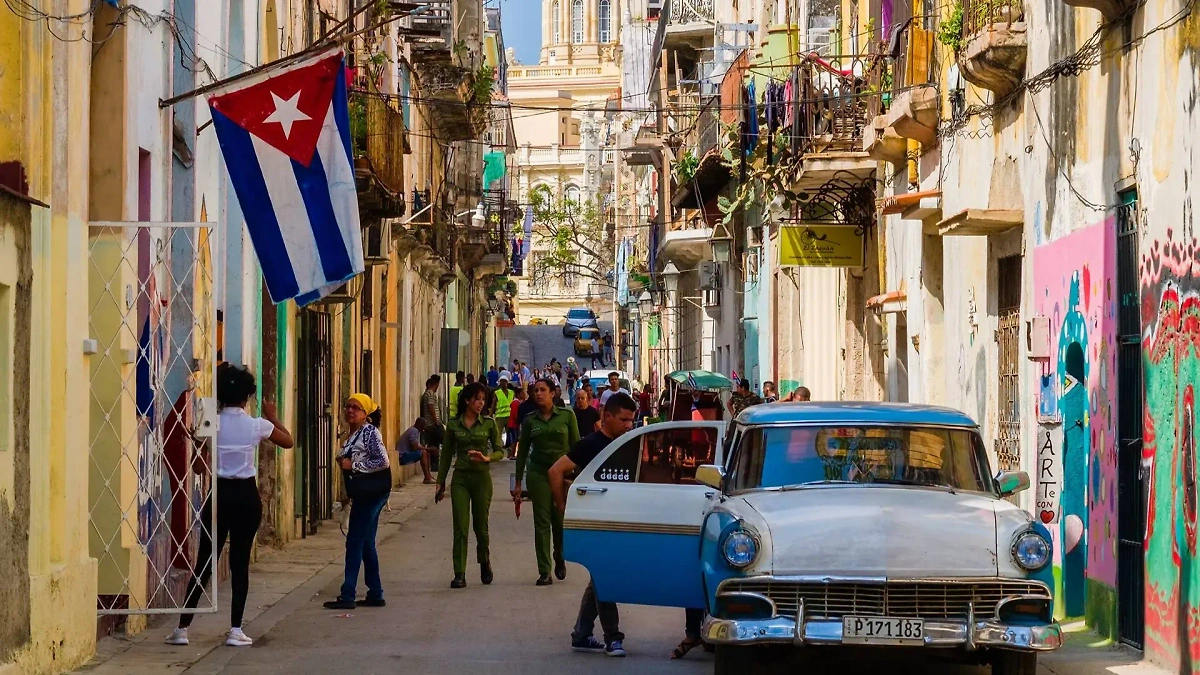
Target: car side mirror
(1012, 482)
(710, 475)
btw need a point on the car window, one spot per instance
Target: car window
(579, 314)
(669, 456)
(805, 455)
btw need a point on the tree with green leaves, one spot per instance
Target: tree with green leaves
(572, 238)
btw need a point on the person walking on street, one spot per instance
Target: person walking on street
(514, 422)
(587, 418)
(430, 412)
(614, 387)
(693, 619)
(239, 509)
(546, 435)
(410, 450)
(460, 381)
(504, 398)
(742, 398)
(609, 357)
(616, 419)
(368, 476)
(493, 377)
(526, 376)
(595, 352)
(472, 444)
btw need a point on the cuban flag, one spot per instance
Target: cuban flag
(285, 137)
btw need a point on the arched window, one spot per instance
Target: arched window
(576, 21)
(572, 194)
(556, 21)
(605, 21)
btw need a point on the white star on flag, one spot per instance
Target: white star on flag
(287, 112)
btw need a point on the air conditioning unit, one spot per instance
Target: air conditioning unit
(710, 275)
(712, 298)
(377, 244)
(753, 237)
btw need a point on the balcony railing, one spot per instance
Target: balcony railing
(384, 146)
(437, 18)
(839, 96)
(979, 15)
(692, 11)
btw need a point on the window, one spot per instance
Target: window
(572, 194)
(1008, 344)
(576, 21)
(661, 457)
(605, 20)
(813, 455)
(556, 21)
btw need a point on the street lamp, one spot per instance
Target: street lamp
(671, 277)
(645, 303)
(722, 243)
(478, 220)
(494, 305)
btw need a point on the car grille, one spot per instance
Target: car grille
(915, 600)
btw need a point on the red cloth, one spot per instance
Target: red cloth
(512, 414)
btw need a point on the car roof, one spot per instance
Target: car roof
(603, 374)
(853, 412)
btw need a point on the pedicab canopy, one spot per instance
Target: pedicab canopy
(701, 380)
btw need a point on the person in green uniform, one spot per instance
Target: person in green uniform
(546, 435)
(472, 444)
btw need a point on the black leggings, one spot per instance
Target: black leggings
(239, 512)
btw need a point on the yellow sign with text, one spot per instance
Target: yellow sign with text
(820, 246)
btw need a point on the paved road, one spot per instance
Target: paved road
(547, 342)
(508, 627)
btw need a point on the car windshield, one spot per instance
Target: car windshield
(800, 456)
(599, 384)
(588, 334)
(579, 314)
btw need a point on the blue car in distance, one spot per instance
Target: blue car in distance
(822, 526)
(579, 317)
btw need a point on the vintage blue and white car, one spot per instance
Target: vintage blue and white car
(815, 524)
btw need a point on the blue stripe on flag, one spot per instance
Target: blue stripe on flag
(314, 188)
(261, 223)
(341, 111)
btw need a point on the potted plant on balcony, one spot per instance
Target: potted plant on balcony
(358, 131)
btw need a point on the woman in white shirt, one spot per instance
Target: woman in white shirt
(367, 470)
(239, 510)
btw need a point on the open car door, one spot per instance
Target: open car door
(634, 514)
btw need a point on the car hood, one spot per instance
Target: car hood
(879, 531)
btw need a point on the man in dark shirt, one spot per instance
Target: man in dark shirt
(616, 419)
(586, 416)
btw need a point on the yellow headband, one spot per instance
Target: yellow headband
(365, 402)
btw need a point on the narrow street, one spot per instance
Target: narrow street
(508, 627)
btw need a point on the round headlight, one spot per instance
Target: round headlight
(740, 549)
(1031, 550)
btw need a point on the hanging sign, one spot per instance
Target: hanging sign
(1048, 498)
(813, 245)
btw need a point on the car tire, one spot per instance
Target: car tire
(1014, 663)
(733, 660)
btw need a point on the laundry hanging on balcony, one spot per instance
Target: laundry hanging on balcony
(285, 138)
(494, 165)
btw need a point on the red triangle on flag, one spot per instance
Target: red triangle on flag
(285, 111)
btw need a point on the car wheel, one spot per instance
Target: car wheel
(733, 660)
(1014, 663)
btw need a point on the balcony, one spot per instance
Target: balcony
(431, 32)
(689, 19)
(380, 141)
(555, 155)
(841, 96)
(459, 106)
(686, 241)
(1109, 9)
(701, 142)
(995, 45)
(912, 111)
(553, 72)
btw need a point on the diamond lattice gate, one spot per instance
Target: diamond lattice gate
(152, 328)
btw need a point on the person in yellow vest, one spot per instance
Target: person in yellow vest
(504, 398)
(455, 391)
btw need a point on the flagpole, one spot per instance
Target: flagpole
(323, 43)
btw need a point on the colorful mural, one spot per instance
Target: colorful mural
(1171, 348)
(1073, 278)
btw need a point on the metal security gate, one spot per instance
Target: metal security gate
(1131, 483)
(315, 408)
(1008, 346)
(152, 328)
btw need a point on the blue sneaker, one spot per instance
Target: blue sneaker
(614, 648)
(590, 646)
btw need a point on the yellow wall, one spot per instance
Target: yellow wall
(44, 127)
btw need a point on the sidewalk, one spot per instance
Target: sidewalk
(280, 581)
(1085, 653)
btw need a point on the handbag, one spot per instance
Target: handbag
(362, 486)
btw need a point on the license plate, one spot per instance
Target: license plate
(872, 630)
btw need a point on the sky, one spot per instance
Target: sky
(521, 21)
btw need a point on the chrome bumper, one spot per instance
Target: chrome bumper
(968, 634)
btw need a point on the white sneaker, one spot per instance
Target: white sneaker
(178, 637)
(237, 638)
